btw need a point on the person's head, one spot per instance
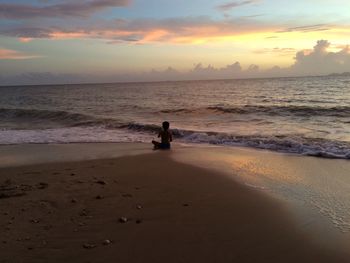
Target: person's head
(165, 125)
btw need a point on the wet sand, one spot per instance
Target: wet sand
(143, 208)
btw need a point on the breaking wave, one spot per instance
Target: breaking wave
(281, 143)
(296, 144)
(291, 110)
(288, 144)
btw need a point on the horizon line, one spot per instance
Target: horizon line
(164, 81)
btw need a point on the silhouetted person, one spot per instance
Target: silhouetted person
(166, 137)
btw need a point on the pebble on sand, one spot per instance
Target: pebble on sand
(42, 185)
(101, 182)
(106, 242)
(123, 219)
(89, 246)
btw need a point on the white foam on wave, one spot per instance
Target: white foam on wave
(288, 144)
(145, 133)
(71, 135)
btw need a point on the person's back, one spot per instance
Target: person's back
(166, 137)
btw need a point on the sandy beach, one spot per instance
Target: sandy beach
(142, 207)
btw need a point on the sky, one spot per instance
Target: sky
(61, 41)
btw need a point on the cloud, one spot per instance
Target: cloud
(174, 30)
(234, 4)
(318, 61)
(200, 72)
(45, 21)
(64, 9)
(306, 29)
(276, 51)
(13, 54)
(29, 32)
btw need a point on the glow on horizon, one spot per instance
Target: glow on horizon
(126, 39)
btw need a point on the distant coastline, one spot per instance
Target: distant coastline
(344, 74)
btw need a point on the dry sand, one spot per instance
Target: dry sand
(145, 208)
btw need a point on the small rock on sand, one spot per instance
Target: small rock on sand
(101, 182)
(42, 185)
(123, 219)
(99, 197)
(89, 246)
(106, 242)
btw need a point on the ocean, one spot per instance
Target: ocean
(306, 116)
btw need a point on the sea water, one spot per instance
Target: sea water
(307, 116)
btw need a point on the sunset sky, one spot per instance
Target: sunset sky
(126, 40)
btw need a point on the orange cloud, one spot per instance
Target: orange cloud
(68, 35)
(175, 30)
(180, 30)
(184, 35)
(13, 54)
(25, 39)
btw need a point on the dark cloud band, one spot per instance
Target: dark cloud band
(70, 9)
(231, 5)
